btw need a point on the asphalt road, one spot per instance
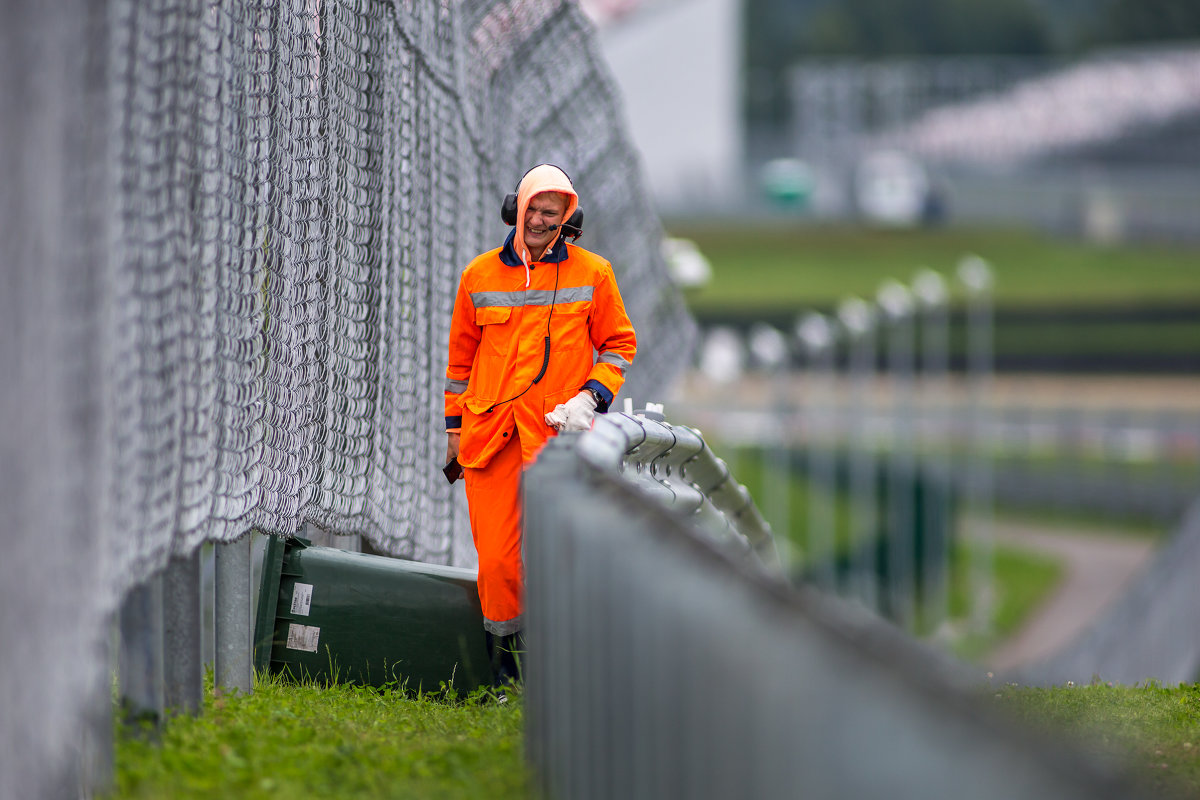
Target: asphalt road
(1098, 568)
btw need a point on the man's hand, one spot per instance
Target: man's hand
(453, 470)
(558, 417)
(574, 415)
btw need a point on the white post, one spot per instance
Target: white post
(976, 276)
(896, 303)
(858, 321)
(817, 336)
(769, 348)
(930, 290)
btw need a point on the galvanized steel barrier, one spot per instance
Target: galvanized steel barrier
(672, 464)
(665, 664)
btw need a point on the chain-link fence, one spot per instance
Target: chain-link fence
(232, 236)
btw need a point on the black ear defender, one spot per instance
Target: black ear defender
(572, 228)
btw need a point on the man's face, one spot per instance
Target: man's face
(544, 210)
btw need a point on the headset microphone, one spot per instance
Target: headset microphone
(572, 227)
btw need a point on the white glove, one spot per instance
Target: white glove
(558, 417)
(574, 415)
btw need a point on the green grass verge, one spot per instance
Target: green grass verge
(1023, 579)
(1152, 732)
(305, 740)
(785, 267)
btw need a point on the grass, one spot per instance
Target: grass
(341, 741)
(1151, 731)
(772, 268)
(1023, 579)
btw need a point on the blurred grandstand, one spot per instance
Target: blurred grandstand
(1106, 146)
(1141, 107)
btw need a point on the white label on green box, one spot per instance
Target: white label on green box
(303, 637)
(302, 599)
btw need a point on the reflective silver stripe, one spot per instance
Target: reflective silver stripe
(533, 297)
(574, 294)
(613, 358)
(455, 387)
(504, 627)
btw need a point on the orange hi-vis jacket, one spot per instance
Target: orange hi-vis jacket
(498, 338)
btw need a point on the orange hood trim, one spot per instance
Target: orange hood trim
(542, 178)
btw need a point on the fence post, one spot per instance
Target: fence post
(976, 276)
(233, 666)
(97, 748)
(770, 349)
(930, 290)
(858, 321)
(183, 659)
(896, 303)
(817, 336)
(141, 653)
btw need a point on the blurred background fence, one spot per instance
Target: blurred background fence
(879, 455)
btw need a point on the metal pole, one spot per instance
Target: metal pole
(858, 321)
(896, 303)
(976, 276)
(816, 334)
(930, 290)
(97, 748)
(769, 348)
(141, 654)
(233, 660)
(183, 659)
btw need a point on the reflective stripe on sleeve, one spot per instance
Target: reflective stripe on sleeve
(456, 387)
(615, 360)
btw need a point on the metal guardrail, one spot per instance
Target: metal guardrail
(661, 665)
(674, 465)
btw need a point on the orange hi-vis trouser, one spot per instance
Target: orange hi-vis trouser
(494, 499)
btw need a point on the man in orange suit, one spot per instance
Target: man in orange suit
(539, 343)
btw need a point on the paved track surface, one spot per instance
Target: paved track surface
(1098, 568)
(753, 391)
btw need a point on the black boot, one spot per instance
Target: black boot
(505, 654)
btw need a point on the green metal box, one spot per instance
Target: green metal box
(327, 614)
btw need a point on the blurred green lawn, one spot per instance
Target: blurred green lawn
(773, 267)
